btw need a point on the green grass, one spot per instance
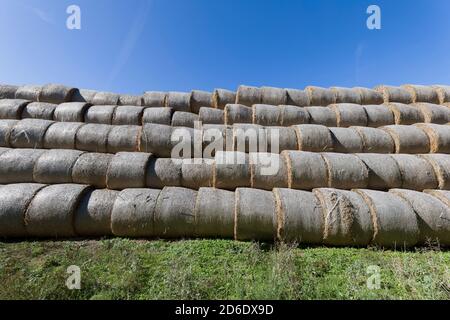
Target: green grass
(208, 269)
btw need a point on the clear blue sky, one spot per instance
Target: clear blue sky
(130, 46)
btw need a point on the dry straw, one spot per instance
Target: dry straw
(55, 166)
(378, 115)
(127, 115)
(91, 169)
(39, 110)
(322, 116)
(417, 173)
(384, 172)
(222, 97)
(70, 112)
(157, 115)
(62, 135)
(127, 170)
(375, 140)
(408, 139)
(12, 108)
(101, 114)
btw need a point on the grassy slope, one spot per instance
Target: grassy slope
(130, 269)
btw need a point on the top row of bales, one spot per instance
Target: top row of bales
(245, 95)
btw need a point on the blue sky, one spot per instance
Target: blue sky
(131, 46)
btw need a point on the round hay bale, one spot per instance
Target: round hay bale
(292, 115)
(14, 200)
(5, 131)
(214, 213)
(379, 115)
(175, 213)
(83, 95)
(369, 96)
(55, 166)
(179, 101)
(200, 99)
(297, 97)
(128, 115)
(93, 215)
(248, 95)
(346, 95)
(105, 98)
(184, 119)
(395, 223)
(443, 93)
(347, 218)
(163, 172)
(216, 138)
(395, 94)
(61, 135)
(254, 215)
(161, 140)
(127, 170)
(91, 169)
(346, 140)
(222, 97)
(130, 100)
(211, 116)
(16, 165)
(408, 139)
(157, 115)
(439, 136)
(238, 113)
(305, 170)
(29, 92)
(197, 173)
(154, 99)
(92, 137)
(348, 114)
(322, 116)
(320, 96)
(70, 112)
(133, 213)
(442, 195)
(422, 93)
(249, 138)
(299, 216)
(7, 91)
(375, 140)
(441, 166)
(433, 113)
(346, 171)
(433, 215)
(280, 138)
(29, 133)
(12, 108)
(417, 173)
(3, 150)
(405, 114)
(384, 172)
(315, 138)
(51, 212)
(263, 114)
(273, 96)
(39, 110)
(123, 138)
(56, 93)
(268, 171)
(232, 170)
(102, 114)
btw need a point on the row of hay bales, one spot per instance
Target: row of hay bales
(229, 170)
(324, 216)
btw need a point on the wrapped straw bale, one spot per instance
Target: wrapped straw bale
(16, 165)
(369, 96)
(417, 173)
(200, 99)
(345, 171)
(406, 114)
(348, 114)
(130, 100)
(102, 114)
(14, 199)
(346, 140)
(184, 119)
(83, 95)
(347, 218)
(299, 216)
(249, 138)
(29, 133)
(379, 115)
(3, 150)
(292, 115)
(51, 212)
(238, 113)
(179, 101)
(443, 93)
(255, 215)
(39, 110)
(265, 115)
(56, 93)
(197, 173)
(70, 112)
(297, 97)
(128, 115)
(305, 170)
(164, 172)
(394, 220)
(92, 137)
(422, 93)
(248, 95)
(211, 116)
(214, 213)
(280, 138)
(232, 170)
(12, 108)
(322, 116)
(442, 195)
(8, 91)
(222, 97)
(441, 166)
(395, 94)
(61, 135)
(93, 215)
(157, 115)
(433, 215)
(5, 131)
(320, 96)
(154, 99)
(268, 171)
(91, 169)
(127, 170)
(216, 138)
(434, 113)
(439, 136)
(105, 98)
(384, 173)
(408, 139)
(314, 138)
(123, 138)
(273, 96)
(133, 213)
(375, 140)
(29, 92)
(55, 166)
(346, 95)
(175, 213)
